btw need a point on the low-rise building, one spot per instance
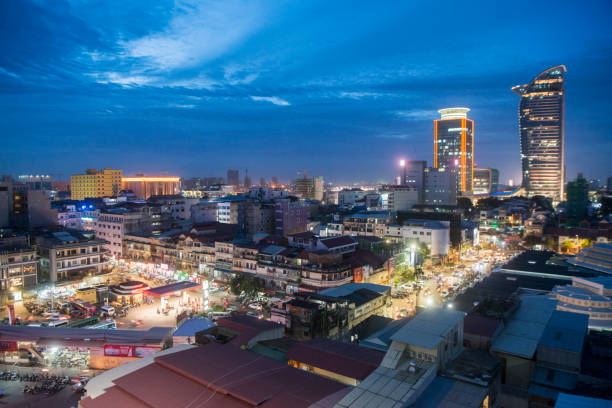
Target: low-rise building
(68, 253)
(398, 197)
(126, 218)
(435, 235)
(18, 262)
(368, 223)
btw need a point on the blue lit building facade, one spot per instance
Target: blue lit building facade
(542, 131)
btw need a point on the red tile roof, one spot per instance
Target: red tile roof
(215, 375)
(337, 357)
(247, 326)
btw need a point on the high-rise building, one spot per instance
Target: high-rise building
(494, 180)
(233, 177)
(94, 183)
(274, 181)
(454, 145)
(412, 175)
(145, 187)
(542, 131)
(309, 188)
(577, 198)
(483, 181)
(440, 186)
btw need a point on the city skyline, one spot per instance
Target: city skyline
(272, 91)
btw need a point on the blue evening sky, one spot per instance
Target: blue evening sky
(341, 89)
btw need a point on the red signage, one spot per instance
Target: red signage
(8, 346)
(113, 350)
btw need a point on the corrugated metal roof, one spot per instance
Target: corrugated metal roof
(191, 326)
(428, 327)
(579, 401)
(521, 335)
(349, 288)
(565, 331)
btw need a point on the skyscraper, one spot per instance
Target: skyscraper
(542, 130)
(454, 146)
(233, 177)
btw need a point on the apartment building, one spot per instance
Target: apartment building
(95, 183)
(125, 218)
(68, 254)
(367, 223)
(18, 261)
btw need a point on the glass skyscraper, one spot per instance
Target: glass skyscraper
(454, 146)
(542, 130)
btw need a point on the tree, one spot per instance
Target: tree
(585, 243)
(489, 202)
(550, 243)
(566, 246)
(244, 283)
(531, 240)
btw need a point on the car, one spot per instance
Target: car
(253, 314)
(51, 312)
(255, 306)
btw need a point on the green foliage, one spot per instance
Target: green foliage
(585, 243)
(531, 240)
(489, 202)
(465, 203)
(244, 283)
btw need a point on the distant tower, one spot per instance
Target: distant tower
(542, 131)
(454, 146)
(247, 180)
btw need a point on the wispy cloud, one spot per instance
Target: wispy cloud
(359, 95)
(272, 99)
(8, 73)
(177, 56)
(199, 32)
(417, 114)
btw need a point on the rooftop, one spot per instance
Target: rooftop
(337, 357)
(565, 331)
(169, 289)
(578, 401)
(349, 288)
(191, 326)
(429, 327)
(524, 329)
(215, 375)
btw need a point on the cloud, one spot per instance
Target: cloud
(199, 32)
(417, 114)
(8, 73)
(272, 99)
(360, 95)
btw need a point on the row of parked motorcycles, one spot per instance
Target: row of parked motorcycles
(47, 387)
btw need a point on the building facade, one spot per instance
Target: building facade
(483, 181)
(454, 146)
(398, 197)
(145, 187)
(67, 254)
(542, 132)
(95, 183)
(440, 186)
(309, 188)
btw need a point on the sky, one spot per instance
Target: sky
(341, 89)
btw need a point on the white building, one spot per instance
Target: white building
(398, 198)
(348, 197)
(434, 234)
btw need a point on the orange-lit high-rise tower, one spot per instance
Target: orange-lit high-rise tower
(454, 146)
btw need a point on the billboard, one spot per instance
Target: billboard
(114, 350)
